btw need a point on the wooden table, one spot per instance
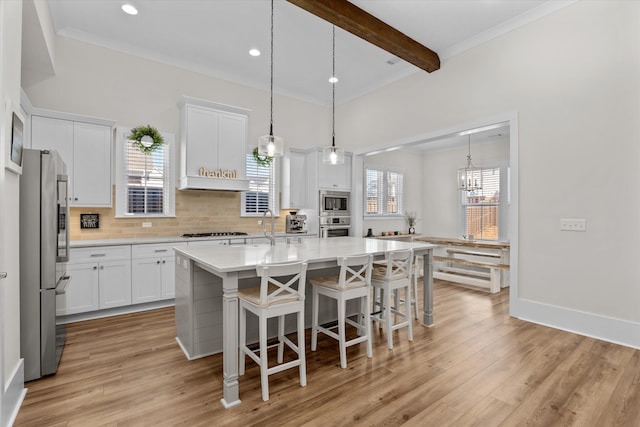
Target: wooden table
(207, 280)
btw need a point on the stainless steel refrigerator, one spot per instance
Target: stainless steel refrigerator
(44, 252)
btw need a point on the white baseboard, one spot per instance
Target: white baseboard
(604, 328)
(14, 394)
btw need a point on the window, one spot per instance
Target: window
(144, 182)
(383, 192)
(481, 209)
(262, 194)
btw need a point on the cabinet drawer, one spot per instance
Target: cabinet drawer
(100, 253)
(155, 249)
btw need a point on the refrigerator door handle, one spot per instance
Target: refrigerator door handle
(62, 285)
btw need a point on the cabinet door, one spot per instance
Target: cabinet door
(92, 165)
(168, 277)
(146, 282)
(82, 292)
(232, 143)
(54, 134)
(202, 140)
(335, 177)
(294, 182)
(115, 283)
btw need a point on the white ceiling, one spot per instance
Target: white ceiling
(214, 36)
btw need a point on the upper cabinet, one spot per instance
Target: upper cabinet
(213, 146)
(294, 179)
(334, 177)
(85, 144)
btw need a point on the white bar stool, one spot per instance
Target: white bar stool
(353, 282)
(391, 278)
(274, 298)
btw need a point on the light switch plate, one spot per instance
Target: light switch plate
(573, 225)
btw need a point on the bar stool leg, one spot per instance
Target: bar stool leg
(341, 332)
(280, 338)
(387, 317)
(314, 319)
(302, 350)
(367, 325)
(264, 366)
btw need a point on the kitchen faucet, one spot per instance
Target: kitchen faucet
(272, 235)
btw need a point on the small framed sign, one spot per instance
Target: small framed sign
(14, 160)
(89, 221)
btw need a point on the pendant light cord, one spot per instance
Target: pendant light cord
(271, 88)
(333, 91)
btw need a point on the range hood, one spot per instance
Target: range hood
(206, 183)
(213, 146)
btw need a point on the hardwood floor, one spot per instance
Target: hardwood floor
(476, 366)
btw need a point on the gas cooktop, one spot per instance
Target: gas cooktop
(216, 233)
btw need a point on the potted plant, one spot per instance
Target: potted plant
(411, 220)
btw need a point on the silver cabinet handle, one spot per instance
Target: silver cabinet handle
(95, 267)
(164, 261)
(158, 262)
(97, 255)
(161, 250)
(3, 275)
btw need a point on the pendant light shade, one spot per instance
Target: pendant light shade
(269, 145)
(470, 177)
(333, 155)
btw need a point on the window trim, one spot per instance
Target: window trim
(385, 170)
(120, 184)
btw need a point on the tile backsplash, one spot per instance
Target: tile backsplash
(196, 212)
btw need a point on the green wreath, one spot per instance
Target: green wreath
(147, 145)
(261, 160)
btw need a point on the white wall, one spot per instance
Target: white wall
(440, 202)
(100, 82)
(408, 162)
(12, 376)
(573, 77)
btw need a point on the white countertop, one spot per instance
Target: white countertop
(170, 239)
(246, 257)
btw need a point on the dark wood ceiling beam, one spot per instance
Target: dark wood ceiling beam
(351, 18)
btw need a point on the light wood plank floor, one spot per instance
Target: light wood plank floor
(477, 366)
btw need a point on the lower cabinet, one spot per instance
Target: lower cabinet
(100, 279)
(153, 272)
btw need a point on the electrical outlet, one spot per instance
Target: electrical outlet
(146, 224)
(573, 225)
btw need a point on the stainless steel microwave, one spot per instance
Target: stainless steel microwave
(334, 203)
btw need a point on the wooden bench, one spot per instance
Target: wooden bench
(473, 253)
(488, 278)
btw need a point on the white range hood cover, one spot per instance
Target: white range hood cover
(205, 183)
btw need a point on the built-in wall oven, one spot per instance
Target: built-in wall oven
(335, 226)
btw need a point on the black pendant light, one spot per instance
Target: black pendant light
(332, 154)
(269, 145)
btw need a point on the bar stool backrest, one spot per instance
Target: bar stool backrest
(355, 271)
(398, 264)
(278, 282)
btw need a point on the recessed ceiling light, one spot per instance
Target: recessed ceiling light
(254, 52)
(333, 79)
(129, 9)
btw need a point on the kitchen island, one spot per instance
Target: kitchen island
(208, 278)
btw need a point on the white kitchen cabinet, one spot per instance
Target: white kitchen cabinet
(153, 272)
(213, 146)
(335, 177)
(86, 149)
(100, 279)
(294, 179)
